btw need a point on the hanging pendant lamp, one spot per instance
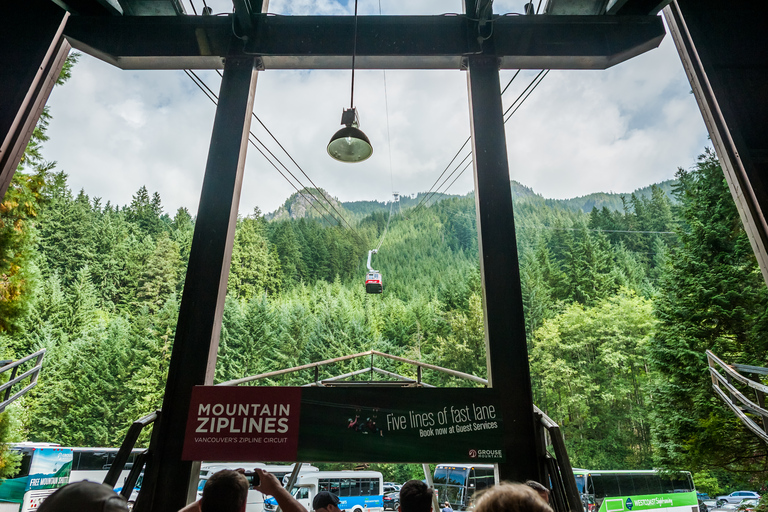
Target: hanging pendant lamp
(350, 144)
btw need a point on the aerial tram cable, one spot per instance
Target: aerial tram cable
(318, 189)
(214, 98)
(373, 279)
(463, 145)
(518, 101)
(304, 187)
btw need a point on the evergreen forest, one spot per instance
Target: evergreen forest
(621, 301)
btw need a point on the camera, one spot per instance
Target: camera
(253, 478)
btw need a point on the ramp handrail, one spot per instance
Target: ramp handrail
(13, 367)
(565, 493)
(722, 384)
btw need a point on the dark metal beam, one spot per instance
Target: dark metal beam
(723, 52)
(28, 73)
(505, 341)
(193, 359)
(384, 42)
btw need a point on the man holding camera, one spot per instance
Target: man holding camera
(227, 491)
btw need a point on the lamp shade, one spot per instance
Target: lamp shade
(350, 144)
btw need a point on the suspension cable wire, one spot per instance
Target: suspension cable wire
(603, 230)
(313, 198)
(526, 96)
(211, 96)
(214, 98)
(540, 76)
(309, 191)
(418, 206)
(385, 227)
(389, 139)
(430, 193)
(522, 93)
(311, 203)
(510, 81)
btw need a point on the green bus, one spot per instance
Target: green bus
(636, 491)
(43, 469)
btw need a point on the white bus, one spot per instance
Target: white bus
(255, 500)
(358, 491)
(94, 463)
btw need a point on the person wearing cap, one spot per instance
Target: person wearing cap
(325, 501)
(415, 496)
(269, 484)
(84, 496)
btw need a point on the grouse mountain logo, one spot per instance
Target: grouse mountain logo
(473, 454)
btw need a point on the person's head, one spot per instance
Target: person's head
(448, 504)
(84, 496)
(415, 496)
(326, 502)
(508, 497)
(539, 488)
(225, 491)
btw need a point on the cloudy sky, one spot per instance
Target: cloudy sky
(579, 132)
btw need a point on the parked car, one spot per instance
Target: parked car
(702, 495)
(739, 496)
(391, 500)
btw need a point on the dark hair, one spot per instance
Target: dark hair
(225, 491)
(415, 496)
(508, 497)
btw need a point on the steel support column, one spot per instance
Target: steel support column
(34, 51)
(193, 359)
(506, 351)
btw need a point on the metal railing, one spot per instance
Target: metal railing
(13, 379)
(138, 464)
(564, 495)
(723, 378)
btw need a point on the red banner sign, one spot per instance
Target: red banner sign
(241, 423)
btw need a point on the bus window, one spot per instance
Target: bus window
(481, 478)
(626, 486)
(647, 484)
(605, 485)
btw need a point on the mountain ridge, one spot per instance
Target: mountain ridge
(300, 204)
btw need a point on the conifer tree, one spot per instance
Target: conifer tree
(712, 297)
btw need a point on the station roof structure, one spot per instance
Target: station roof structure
(722, 47)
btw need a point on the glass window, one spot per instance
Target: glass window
(605, 485)
(26, 463)
(91, 461)
(647, 484)
(346, 487)
(303, 493)
(580, 482)
(626, 487)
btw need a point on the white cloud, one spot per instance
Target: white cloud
(579, 132)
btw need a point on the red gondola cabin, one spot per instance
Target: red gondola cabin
(373, 282)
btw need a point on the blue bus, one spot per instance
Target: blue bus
(358, 491)
(43, 469)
